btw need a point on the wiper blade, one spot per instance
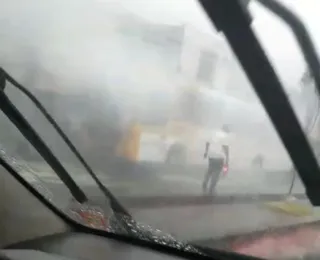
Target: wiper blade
(13, 114)
(230, 17)
(114, 203)
(304, 40)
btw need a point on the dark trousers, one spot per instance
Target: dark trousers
(212, 176)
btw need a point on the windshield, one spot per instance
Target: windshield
(144, 91)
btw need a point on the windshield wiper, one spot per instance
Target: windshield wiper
(13, 114)
(231, 18)
(31, 135)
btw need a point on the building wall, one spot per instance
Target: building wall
(195, 45)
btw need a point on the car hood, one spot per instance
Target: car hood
(290, 242)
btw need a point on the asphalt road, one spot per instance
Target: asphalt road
(172, 200)
(150, 180)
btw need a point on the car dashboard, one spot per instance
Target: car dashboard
(74, 245)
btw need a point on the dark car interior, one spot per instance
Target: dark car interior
(54, 235)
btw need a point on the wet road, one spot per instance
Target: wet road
(164, 181)
(173, 201)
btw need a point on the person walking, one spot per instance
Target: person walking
(217, 153)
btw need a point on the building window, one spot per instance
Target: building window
(206, 67)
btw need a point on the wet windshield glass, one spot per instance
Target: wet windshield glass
(156, 102)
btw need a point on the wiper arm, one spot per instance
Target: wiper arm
(13, 114)
(114, 203)
(230, 17)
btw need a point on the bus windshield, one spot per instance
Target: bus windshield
(160, 108)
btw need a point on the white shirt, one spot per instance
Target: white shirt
(219, 139)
